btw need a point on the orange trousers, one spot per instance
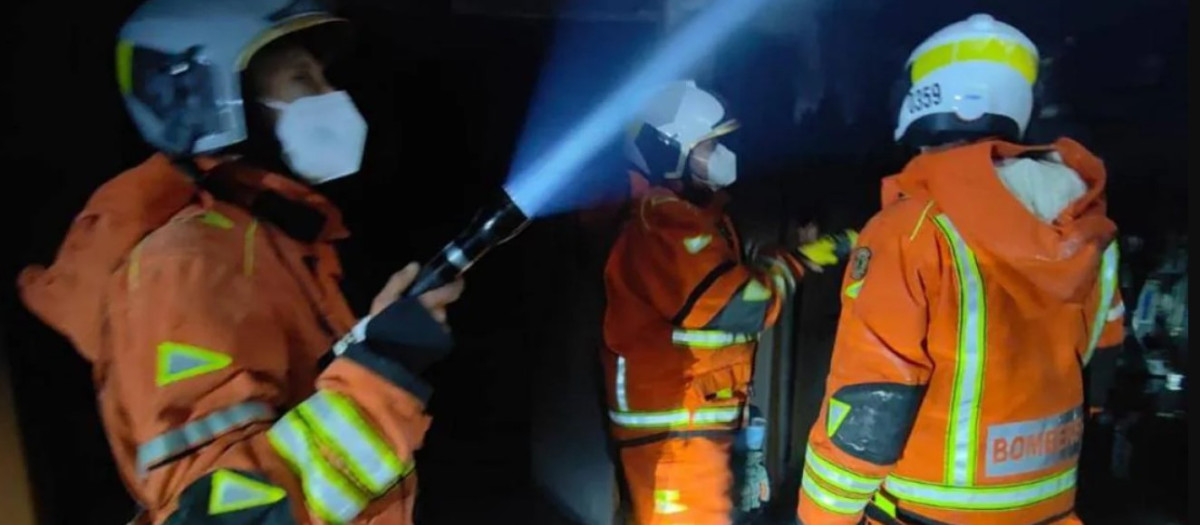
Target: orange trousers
(680, 481)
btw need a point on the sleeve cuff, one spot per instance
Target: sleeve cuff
(405, 332)
(390, 369)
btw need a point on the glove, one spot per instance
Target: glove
(770, 261)
(756, 484)
(827, 250)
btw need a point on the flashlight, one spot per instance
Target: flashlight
(491, 227)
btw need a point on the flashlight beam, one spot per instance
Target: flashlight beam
(532, 189)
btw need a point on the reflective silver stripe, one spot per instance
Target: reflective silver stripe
(650, 419)
(326, 492)
(963, 432)
(838, 476)
(709, 416)
(830, 501)
(622, 400)
(199, 432)
(339, 427)
(708, 338)
(981, 498)
(1108, 287)
(675, 418)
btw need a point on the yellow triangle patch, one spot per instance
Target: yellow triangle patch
(697, 243)
(853, 290)
(837, 414)
(233, 492)
(178, 361)
(216, 219)
(755, 292)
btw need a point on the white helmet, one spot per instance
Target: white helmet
(179, 64)
(973, 79)
(674, 121)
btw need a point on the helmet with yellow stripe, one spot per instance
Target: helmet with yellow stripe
(180, 62)
(971, 80)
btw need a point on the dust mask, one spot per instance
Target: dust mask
(322, 136)
(722, 167)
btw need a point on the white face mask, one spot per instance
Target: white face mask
(722, 168)
(322, 136)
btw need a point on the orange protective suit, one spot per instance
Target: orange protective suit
(955, 393)
(204, 324)
(683, 315)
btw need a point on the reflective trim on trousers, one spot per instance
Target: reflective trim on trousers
(838, 477)
(708, 339)
(327, 492)
(1108, 287)
(829, 500)
(201, 431)
(338, 426)
(1006, 497)
(963, 431)
(675, 418)
(622, 399)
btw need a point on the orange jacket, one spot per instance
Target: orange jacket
(684, 311)
(955, 390)
(204, 325)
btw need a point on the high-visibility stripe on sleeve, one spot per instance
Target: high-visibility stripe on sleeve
(1108, 288)
(981, 498)
(177, 441)
(708, 339)
(830, 500)
(622, 397)
(338, 425)
(839, 477)
(963, 429)
(326, 492)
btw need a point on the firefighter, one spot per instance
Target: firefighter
(971, 306)
(685, 307)
(202, 285)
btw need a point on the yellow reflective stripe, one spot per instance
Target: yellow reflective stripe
(981, 498)
(217, 220)
(675, 418)
(830, 501)
(338, 426)
(708, 339)
(329, 495)
(667, 502)
(920, 221)
(839, 477)
(995, 50)
(963, 428)
(125, 66)
(886, 505)
(1108, 287)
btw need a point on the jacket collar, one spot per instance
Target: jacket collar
(294, 207)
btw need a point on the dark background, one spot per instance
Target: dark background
(445, 86)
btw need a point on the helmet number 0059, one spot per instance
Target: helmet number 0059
(924, 97)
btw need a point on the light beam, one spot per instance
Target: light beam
(538, 190)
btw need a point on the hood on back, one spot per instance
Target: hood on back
(68, 295)
(1037, 229)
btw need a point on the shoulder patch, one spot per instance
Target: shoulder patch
(233, 492)
(178, 361)
(860, 260)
